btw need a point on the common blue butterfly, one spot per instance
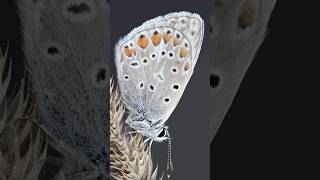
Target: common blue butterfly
(154, 63)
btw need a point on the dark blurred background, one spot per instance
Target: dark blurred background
(272, 131)
(11, 38)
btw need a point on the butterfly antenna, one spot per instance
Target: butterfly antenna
(169, 162)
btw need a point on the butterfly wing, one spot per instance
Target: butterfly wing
(65, 43)
(155, 62)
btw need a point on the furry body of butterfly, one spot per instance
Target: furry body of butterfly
(66, 46)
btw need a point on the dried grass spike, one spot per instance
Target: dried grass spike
(130, 157)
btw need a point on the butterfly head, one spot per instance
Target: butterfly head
(153, 130)
(162, 134)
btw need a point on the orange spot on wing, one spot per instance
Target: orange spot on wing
(143, 42)
(187, 66)
(129, 52)
(167, 38)
(176, 41)
(183, 52)
(156, 38)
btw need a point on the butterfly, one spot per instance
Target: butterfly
(154, 64)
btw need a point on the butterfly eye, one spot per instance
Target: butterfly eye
(162, 133)
(175, 87)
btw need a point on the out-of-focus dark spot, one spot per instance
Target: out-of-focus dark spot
(101, 75)
(53, 50)
(214, 80)
(78, 8)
